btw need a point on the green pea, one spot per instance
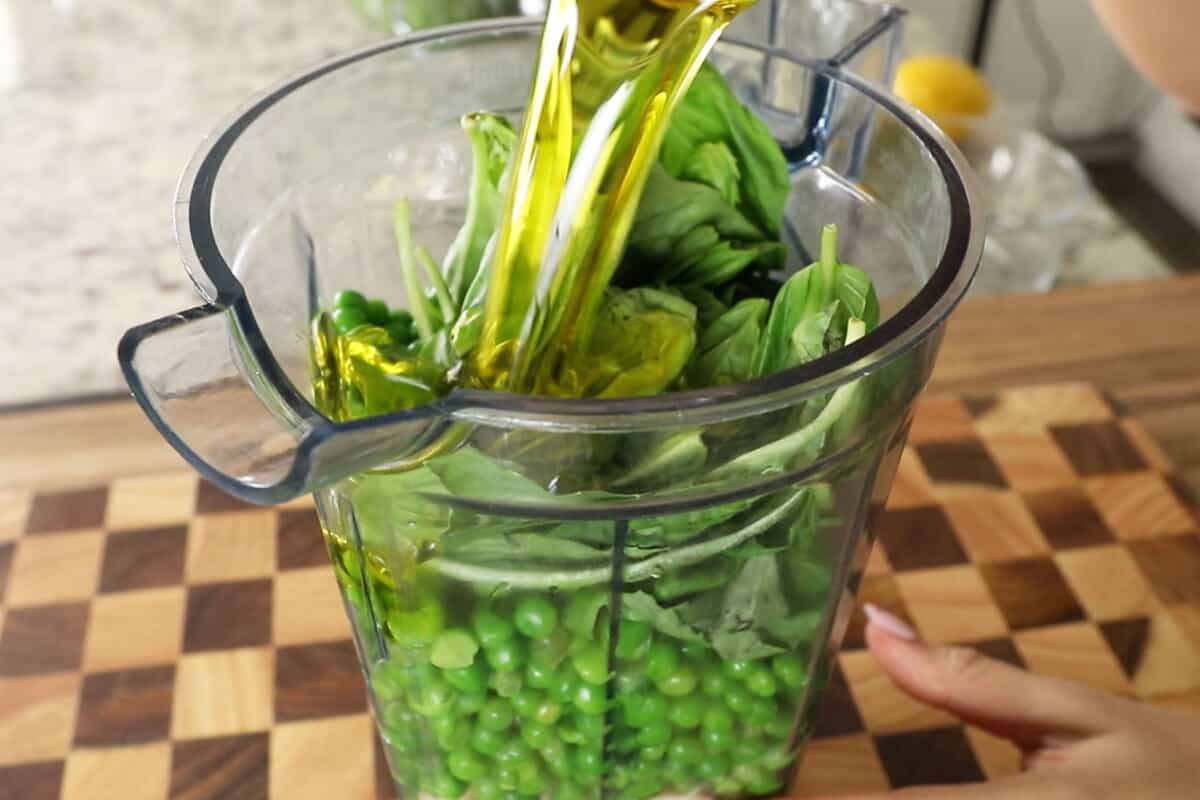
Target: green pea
(584, 610)
(496, 715)
(591, 663)
(715, 683)
(711, 767)
(554, 755)
(681, 681)
(628, 682)
(655, 733)
(465, 765)
(746, 751)
(401, 334)
(726, 787)
(739, 699)
(487, 789)
(532, 782)
(716, 741)
(588, 761)
(685, 750)
(513, 752)
(506, 656)
(508, 776)
(535, 616)
(447, 786)
(590, 699)
(562, 688)
(661, 660)
(756, 779)
(678, 773)
(400, 316)
(780, 727)
(487, 741)
(687, 712)
(567, 791)
(469, 702)
(790, 671)
(778, 757)
(548, 712)
(348, 298)
(645, 709)
(539, 676)
(761, 681)
(654, 753)
(717, 718)
(762, 712)
(592, 726)
(737, 669)
(536, 735)
(526, 702)
(445, 725)
(377, 312)
(505, 684)
(632, 639)
(490, 627)
(433, 699)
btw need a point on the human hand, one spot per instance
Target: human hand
(1078, 743)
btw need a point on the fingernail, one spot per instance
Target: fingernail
(890, 622)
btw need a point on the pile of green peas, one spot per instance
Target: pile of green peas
(352, 310)
(494, 697)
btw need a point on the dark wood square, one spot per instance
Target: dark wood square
(1031, 593)
(1172, 565)
(1098, 448)
(979, 404)
(938, 756)
(43, 639)
(145, 559)
(126, 707)
(211, 500)
(838, 714)
(67, 511)
(879, 590)
(6, 556)
(1068, 519)
(222, 616)
(300, 542)
(40, 781)
(919, 538)
(1128, 639)
(1002, 650)
(966, 461)
(318, 680)
(385, 788)
(227, 767)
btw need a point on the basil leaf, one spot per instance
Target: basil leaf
(714, 164)
(521, 549)
(642, 607)
(728, 346)
(664, 458)
(468, 472)
(678, 528)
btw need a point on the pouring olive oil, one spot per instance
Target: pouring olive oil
(609, 74)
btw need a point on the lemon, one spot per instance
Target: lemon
(947, 89)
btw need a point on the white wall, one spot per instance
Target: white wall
(1170, 157)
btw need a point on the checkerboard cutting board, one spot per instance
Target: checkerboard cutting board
(159, 639)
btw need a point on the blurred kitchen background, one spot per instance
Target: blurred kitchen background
(1092, 176)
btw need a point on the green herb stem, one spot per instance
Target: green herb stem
(449, 310)
(408, 265)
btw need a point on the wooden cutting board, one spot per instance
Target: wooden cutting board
(159, 639)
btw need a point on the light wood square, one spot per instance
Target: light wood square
(301, 503)
(883, 706)
(129, 773)
(1108, 582)
(1039, 407)
(341, 745)
(998, 757)
(1029, 459)
(952, 604)
(877, 562)
(14, 510)
(838, 765)
(150, 502)
(1145, 444)
(1188, 702)
(308, 607)
(1188, 617)
(996, 526)
(1139, 506)
(1076, 652)
(223, 693)
(55, 568)
(1170, 662)
(135, 629)
(231, 546)
(911, 486)
(940, 418)
(37, 717)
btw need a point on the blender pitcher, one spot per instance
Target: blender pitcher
(573, 598)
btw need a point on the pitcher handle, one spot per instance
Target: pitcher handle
(206, 392)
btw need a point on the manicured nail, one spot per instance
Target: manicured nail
(890, 622)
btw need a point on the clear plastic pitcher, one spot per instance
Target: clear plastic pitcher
(575, 598)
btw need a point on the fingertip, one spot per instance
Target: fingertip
(887, 622)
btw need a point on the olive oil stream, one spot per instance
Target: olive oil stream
(608, 75)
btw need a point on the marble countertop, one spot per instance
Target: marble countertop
(101, 104)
